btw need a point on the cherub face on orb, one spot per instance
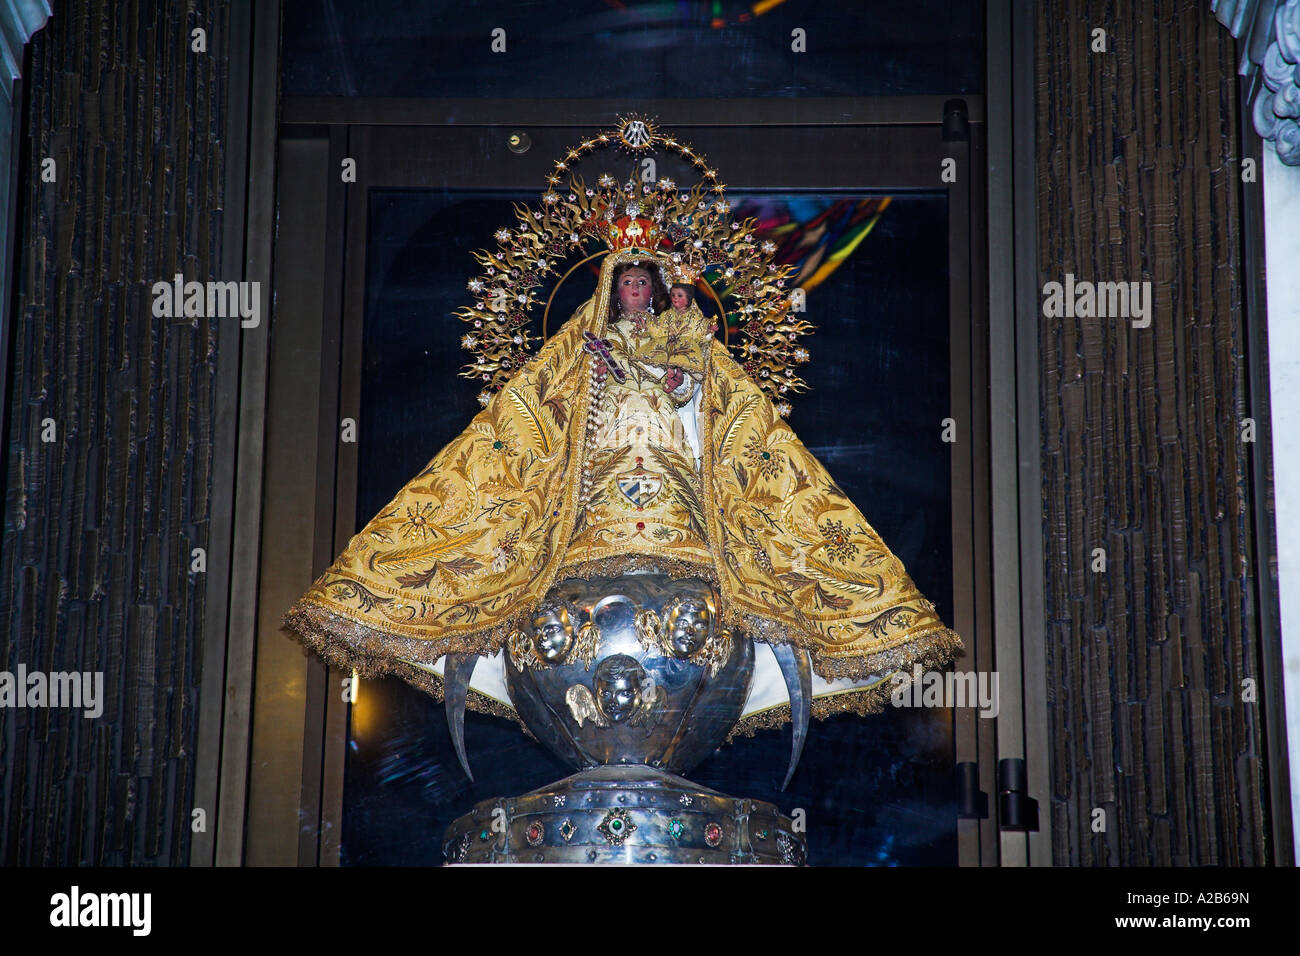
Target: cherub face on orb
(635, 290)
(689, 626)
(618, 687)
(552, 633)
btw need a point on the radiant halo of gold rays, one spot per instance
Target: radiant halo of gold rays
(690, 232)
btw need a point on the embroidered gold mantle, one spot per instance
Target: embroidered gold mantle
(466, 550)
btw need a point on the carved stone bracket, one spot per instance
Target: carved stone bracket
(1269, 32)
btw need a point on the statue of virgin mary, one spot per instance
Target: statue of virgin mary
(631, 447)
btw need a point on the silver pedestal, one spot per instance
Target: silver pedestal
(625, 814)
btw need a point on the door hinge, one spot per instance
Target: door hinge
(972, 802)
(1016, 809)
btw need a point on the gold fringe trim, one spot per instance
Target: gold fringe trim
(862, 701)
(615, 565)
(349, 645)
(930, 648)
(368, 646)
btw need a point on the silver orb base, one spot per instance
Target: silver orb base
(632, 679)
(626, 814)
(633, 669)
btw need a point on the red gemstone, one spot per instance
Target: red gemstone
(640, 526)
(713, 834)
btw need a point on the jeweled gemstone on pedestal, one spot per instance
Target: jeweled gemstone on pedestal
(534, 834)
(713, 834)
(616, 827)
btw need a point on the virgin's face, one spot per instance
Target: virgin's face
(634, 290)
(679, 298)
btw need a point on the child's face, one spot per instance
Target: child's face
(679, 298)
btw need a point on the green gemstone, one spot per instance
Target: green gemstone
(497, 444)
(676, 828)
(483, 835)
(767, 455)
(616, 825)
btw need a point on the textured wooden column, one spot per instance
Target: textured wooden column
(1139, 179)
(99, 525)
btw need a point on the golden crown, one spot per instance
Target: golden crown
(629, 232)
(690, 232)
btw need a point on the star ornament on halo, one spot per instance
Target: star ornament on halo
(636, 132)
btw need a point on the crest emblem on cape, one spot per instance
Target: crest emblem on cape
(639, 486)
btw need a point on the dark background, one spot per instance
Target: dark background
(625, 48)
